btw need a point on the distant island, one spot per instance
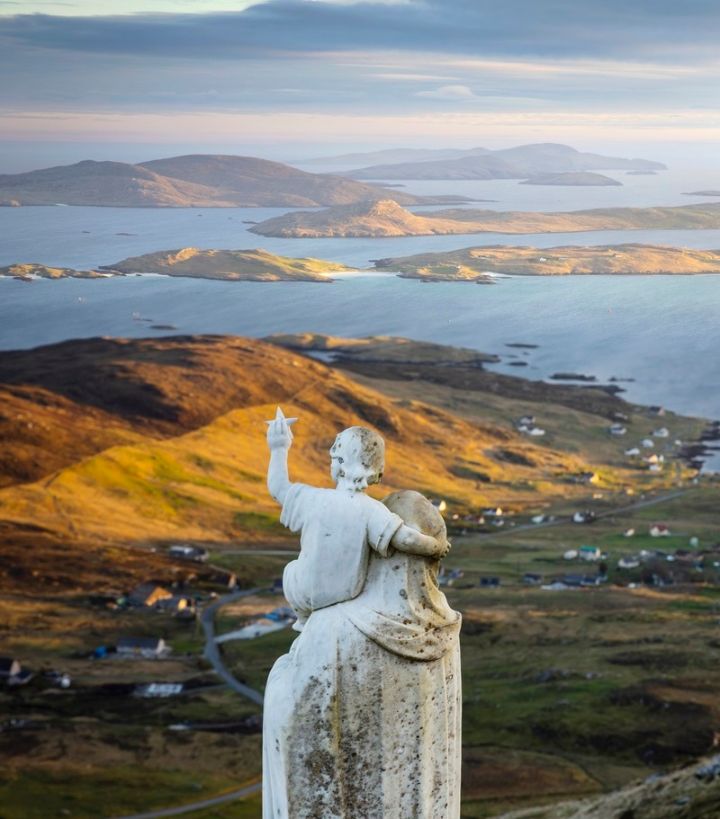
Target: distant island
(229, 265)
(703, 193)
(199, 180)
(472, 264)
(30, 271)
(477, 264)
(387, 218)
(190, 262)
(572, 178)
(512, 163)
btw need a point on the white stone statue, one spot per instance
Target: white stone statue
(362, 716)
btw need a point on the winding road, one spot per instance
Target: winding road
(212, 653)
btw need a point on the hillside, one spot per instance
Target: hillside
(192, 181)
(229, 265)
(511, 163)
(208, 483)
(475, 263)
(387, 218)
(573, 179)
(688, 793)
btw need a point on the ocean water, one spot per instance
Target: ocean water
(661, 331)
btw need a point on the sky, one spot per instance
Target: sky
(133, 79)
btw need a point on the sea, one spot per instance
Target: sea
(658, 336)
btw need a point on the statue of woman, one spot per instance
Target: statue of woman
(362, 716)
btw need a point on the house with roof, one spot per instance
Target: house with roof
(148, 594)
(618, 430)
(147, 648)
(659, 530)
(9, 668)
(628, 563)
(589, 553)
(186, 552)
(532, 579)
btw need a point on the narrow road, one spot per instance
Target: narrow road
(212, 652)
(248, 790)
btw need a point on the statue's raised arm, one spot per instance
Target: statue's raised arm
(279, 438)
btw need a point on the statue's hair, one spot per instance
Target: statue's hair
(361, 455)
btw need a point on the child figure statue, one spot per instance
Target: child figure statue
(362, 715)
(338, 526)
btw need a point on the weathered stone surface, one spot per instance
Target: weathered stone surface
(362, 716)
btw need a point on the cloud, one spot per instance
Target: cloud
(627, 28)
(447, 92)
(376, 59)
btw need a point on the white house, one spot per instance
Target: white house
(628, 563)
(149, 648)
(659, 530)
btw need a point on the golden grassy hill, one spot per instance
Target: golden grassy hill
(208, 484)
(387, 218)
(470, 264)
(63, 402)
(229, 265)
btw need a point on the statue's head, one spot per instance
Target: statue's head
(357, 458)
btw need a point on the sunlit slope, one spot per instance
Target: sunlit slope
(209, 484)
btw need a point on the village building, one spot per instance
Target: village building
(659, 530)
(186, 552)
(149, 648)
(628, 563)
(9, 667)
(148, 594)
(532, 579)
(589, 553)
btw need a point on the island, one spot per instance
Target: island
(229, 265)
(481, 264)
(573, 179)
(519, 162)
(30, 271)
(703, 193)
(196, 180)
(190, 262)
(387, 218)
